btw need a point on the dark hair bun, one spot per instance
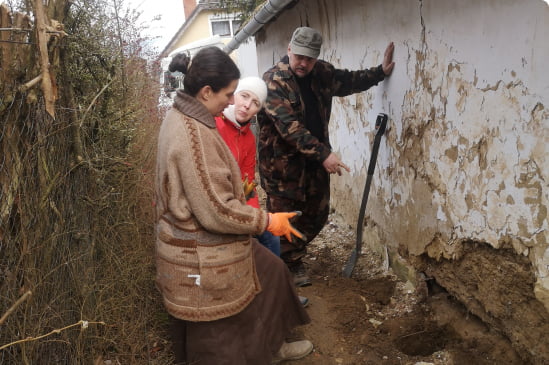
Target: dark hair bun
(180, 62)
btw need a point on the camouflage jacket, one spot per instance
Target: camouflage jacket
(285, 145)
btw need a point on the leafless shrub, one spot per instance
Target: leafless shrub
(76, 190)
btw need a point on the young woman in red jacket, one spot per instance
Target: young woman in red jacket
(234, 127)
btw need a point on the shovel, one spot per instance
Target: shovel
(381, 124)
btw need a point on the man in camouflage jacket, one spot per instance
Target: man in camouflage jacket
(295, 156)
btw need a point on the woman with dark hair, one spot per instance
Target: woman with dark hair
(230, 300)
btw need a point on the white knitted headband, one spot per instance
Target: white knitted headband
(254, 85)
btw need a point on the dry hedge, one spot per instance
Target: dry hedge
(76, 244)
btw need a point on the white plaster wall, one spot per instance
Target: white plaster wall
(247, 58)
(465, 157)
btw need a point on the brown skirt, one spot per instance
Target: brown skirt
(252, 336)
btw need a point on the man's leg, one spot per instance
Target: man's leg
(314, 210)
(316, 206)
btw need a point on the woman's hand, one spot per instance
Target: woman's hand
(279, 225)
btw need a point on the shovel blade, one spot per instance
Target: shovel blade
(350, 265)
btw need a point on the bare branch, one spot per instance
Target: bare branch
(81, 322)
(14, 306)
(47, 85)
(30, 84)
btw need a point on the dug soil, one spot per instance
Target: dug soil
(375, 318)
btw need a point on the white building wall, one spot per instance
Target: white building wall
(465, 156)
(247, 58)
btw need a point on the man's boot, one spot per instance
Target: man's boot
(300, 274)
(292, 254)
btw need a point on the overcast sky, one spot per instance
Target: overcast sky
(172, 18)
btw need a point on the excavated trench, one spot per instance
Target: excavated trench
(476, 309)
(488, 294)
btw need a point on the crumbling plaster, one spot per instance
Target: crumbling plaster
(465, 156)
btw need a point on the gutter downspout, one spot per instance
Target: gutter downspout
(262, 17)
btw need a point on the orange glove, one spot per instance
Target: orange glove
(279, 225)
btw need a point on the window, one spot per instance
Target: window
(225, 27)
(221, 28)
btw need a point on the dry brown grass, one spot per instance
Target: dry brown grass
(76, 214)
(84, 248)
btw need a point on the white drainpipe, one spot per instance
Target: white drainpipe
(262, 17)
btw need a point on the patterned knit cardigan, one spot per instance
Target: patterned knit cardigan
(204, 260)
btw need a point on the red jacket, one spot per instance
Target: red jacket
(241, 142)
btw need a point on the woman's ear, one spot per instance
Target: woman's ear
(205, 93)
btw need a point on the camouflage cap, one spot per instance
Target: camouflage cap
(306, 42)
